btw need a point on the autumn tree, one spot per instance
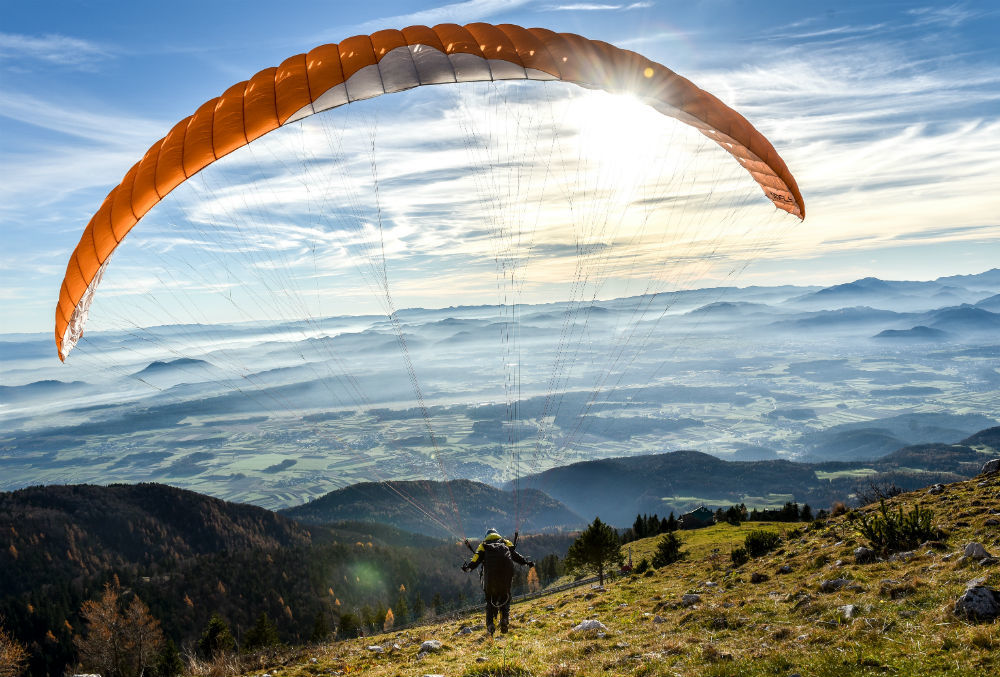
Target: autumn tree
(120, 641)
(596, 549)
(12, 655)
(534, 585)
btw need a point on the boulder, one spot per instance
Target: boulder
(429, 646)
(978, 603)
(848, 611)
(659, 619)
(757, 577)
(785, 569)
(591, 625)
(375, 648)
(863, 555)
(902, 556)
(991, 467)
(976, 551)
(833, 585)
(690, 599)
(936, 489)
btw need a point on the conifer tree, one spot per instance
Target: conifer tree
(402, 609)
(217, 639)
(671, 523)
(263, 633)
(321, 628)
(596, 549)
(418, 606)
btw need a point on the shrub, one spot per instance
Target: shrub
(740, 556)
(668, 550)
(642, 566)
(889, 532)
(759, 542)
(837, 509)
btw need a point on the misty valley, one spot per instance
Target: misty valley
(845, 373)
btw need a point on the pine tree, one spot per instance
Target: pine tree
(263, 633)
(168, 662)
(402, 609)
(418, 606)
(668, 550)
(596, 549)
(806, 514)
(217, 639)
(390, 620)
(671, 523)
(321, 628)
(639, 527)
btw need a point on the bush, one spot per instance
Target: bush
(740, 556)
(837, 509)
(889, 532)
(642, 566)
(668, 550)
(759, 542)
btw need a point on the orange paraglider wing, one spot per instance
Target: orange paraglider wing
(389, 61)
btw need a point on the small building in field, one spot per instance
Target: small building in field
(696, 519)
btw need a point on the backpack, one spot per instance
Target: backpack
(496, 557)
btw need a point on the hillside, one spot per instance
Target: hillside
(476, 504)
(619, 488)
(86, 530)
(703, 616)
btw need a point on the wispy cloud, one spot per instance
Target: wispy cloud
(597, 7)
(60, 50)
(951, 16)
(455, 12)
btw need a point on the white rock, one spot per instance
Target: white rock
(710, 584)
(990, 467)
(375, 648)
(848, 611)
(590, 625)
(430, 645)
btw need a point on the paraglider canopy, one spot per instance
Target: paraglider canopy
(389, 61)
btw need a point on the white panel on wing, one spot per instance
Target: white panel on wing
(303, 112)
(398, 71)
(364, 84)
(469, 67)
(433, 66)
(331, 98)
(505, 70)
(535, 74)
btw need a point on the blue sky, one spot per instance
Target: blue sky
(888, 113)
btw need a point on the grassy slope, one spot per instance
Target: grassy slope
(779, 627)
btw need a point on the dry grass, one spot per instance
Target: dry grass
(902, 621)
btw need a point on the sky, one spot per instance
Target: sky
(887, 113)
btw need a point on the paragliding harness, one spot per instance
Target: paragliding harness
(496, 557)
